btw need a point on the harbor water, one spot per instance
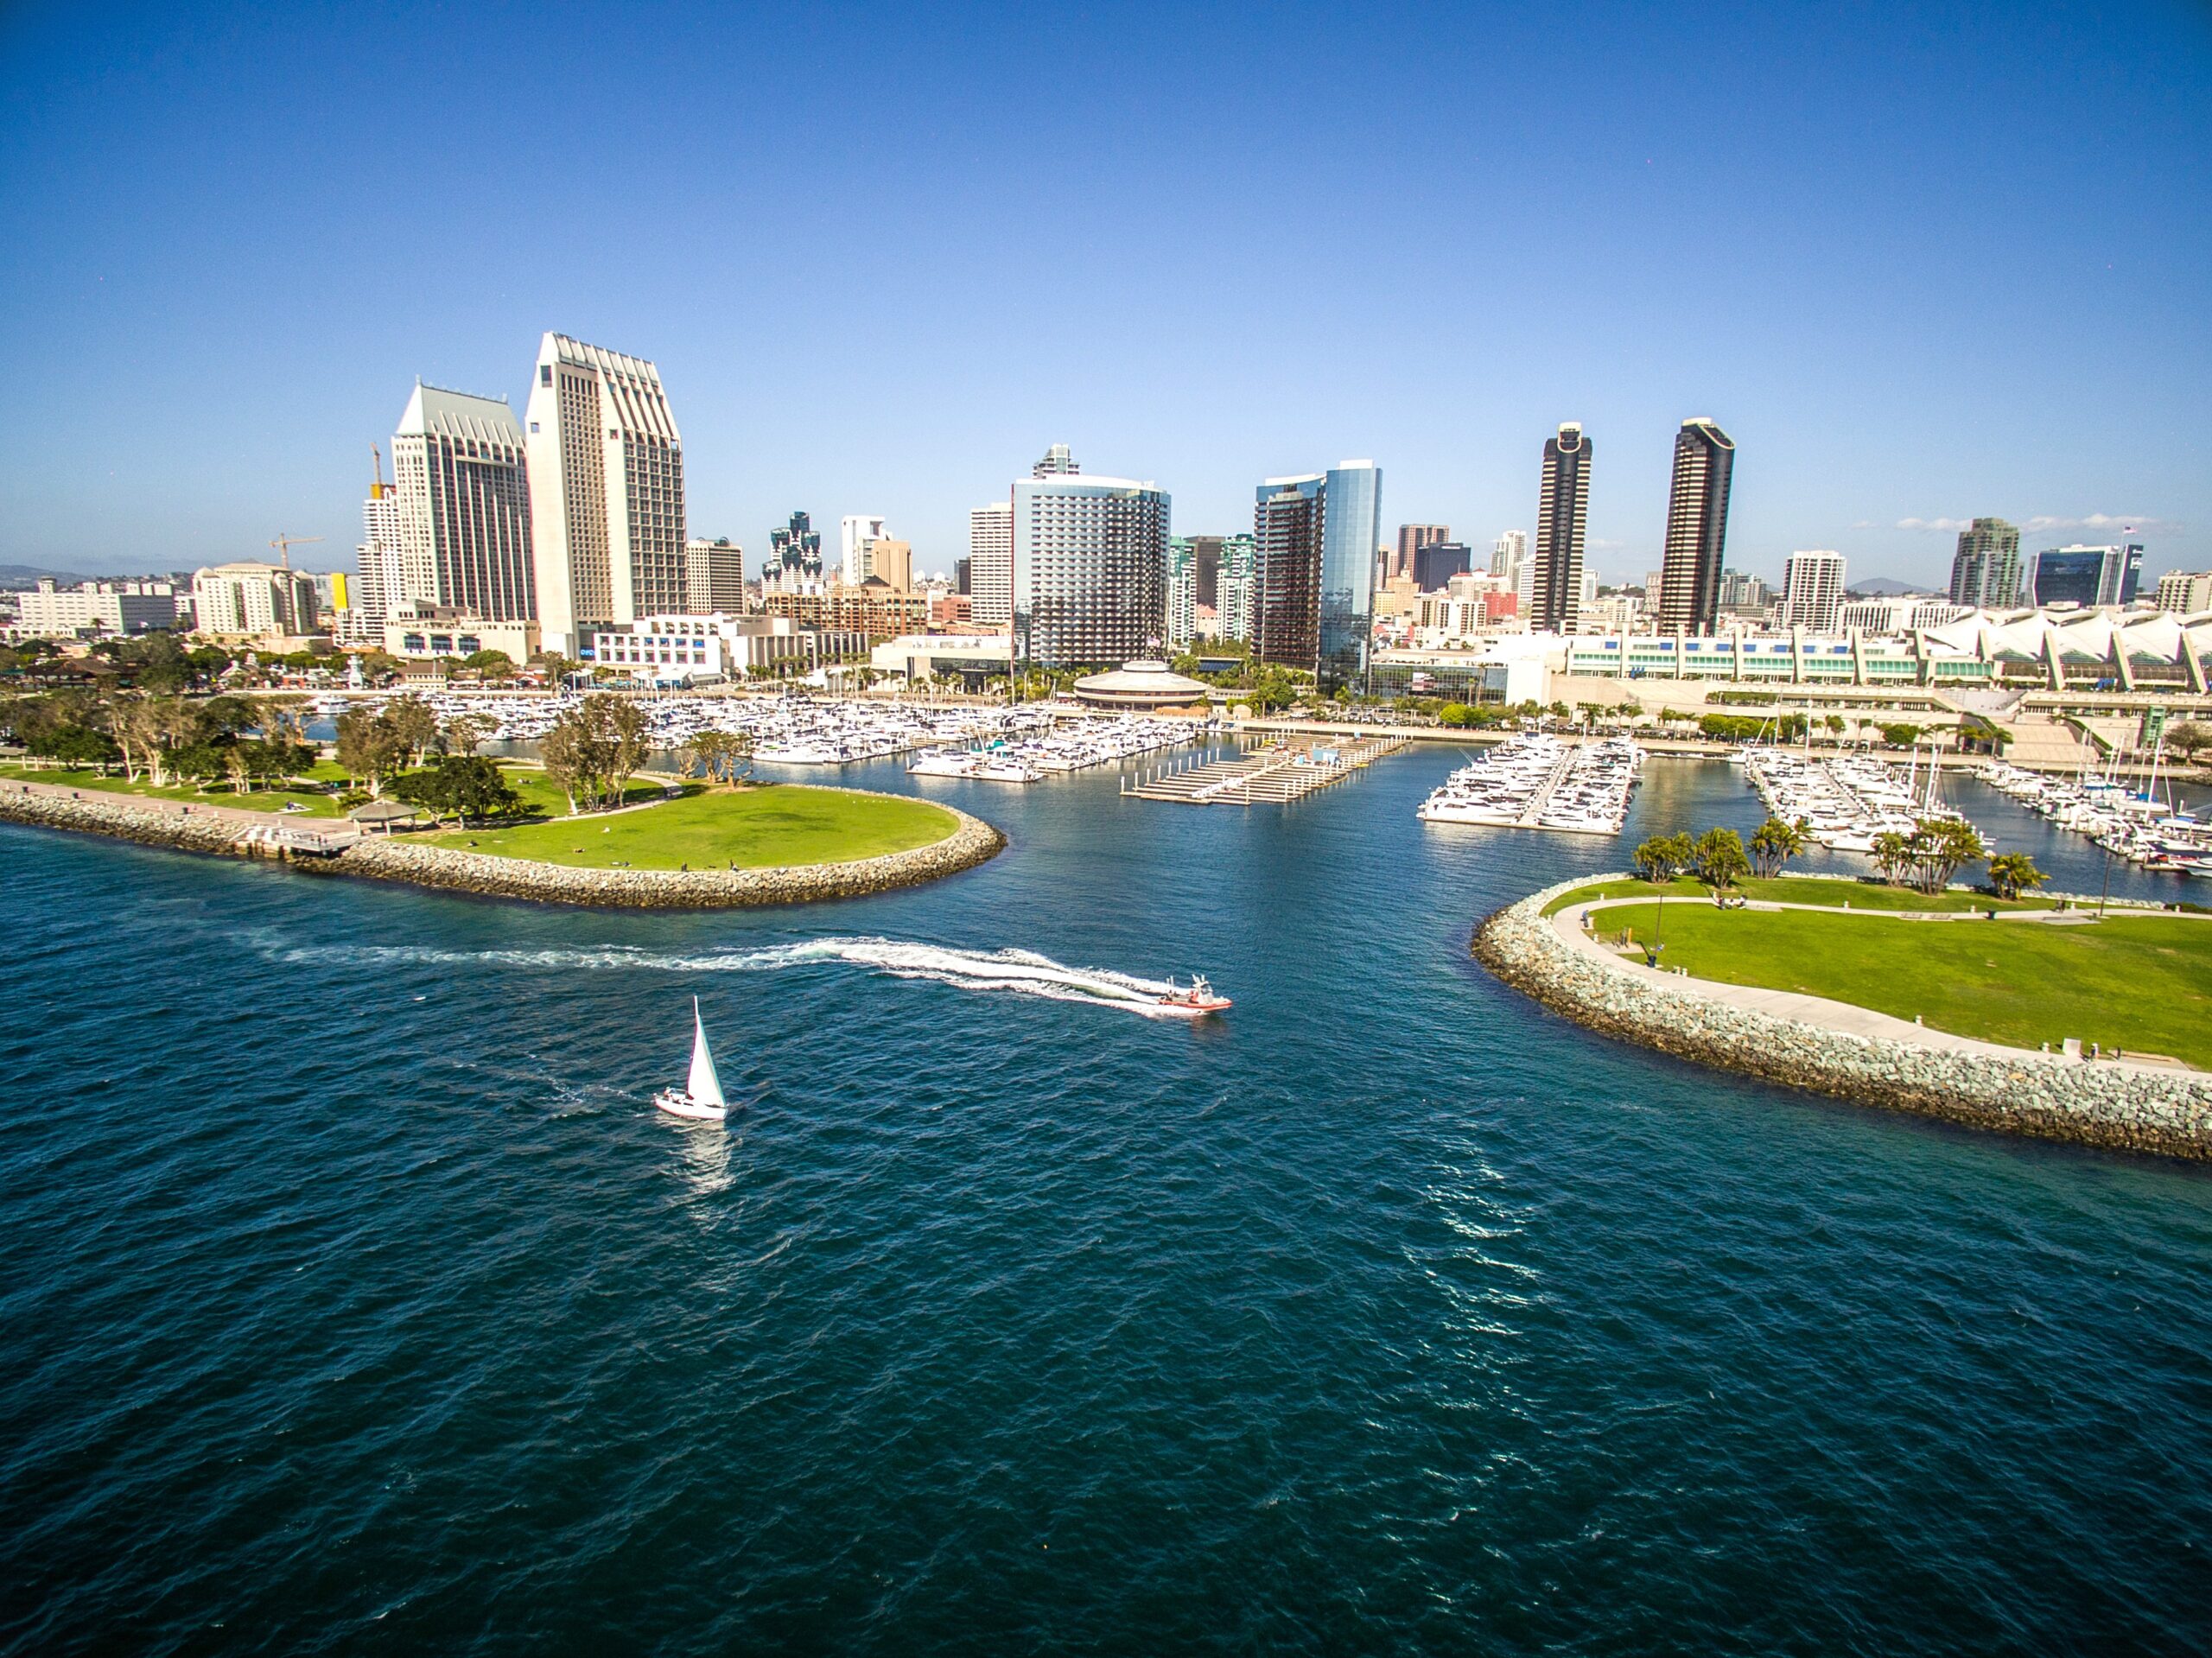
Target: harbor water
(355, 1300)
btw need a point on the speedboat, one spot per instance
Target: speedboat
(700, 1099)
(1196, 1003)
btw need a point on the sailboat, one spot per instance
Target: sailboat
(701, 1097)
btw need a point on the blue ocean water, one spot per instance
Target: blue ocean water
(353, 1299)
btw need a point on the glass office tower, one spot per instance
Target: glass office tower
(1315, 537)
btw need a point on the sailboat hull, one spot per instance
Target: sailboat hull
(677, 1103)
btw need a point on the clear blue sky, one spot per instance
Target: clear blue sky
(1921, 262)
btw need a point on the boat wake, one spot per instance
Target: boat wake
(1018, 972)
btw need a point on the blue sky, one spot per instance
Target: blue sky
(1921, 262)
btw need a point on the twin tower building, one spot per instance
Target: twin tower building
(574, 519)
(1697, 530)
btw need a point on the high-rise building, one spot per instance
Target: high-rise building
(2080, 575)
(1239, 586)
(463, 506)
(1412, 537)
(892, 562)
(2185, 591)
(381, 585)
(1315, 536)
(1741, 595)
(1436, 563)
(714, 576)
(856, 532)
(963, 576)
(1697, 527)
(794, 553)
(1206, 570)
(1812, 591)
(1508, 553)
(606, 491)
(1090, 569)
(1986, 570)
(990, 563)
(1563, 514)
(1058, 462)
(1182, 592)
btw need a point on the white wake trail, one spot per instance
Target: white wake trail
(1018, 972)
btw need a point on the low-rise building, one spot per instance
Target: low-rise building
(971, 656)
(670, 649)
(95, 609)
(2186, 591)
(252, 599)
(413, 629)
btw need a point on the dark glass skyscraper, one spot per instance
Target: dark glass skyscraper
(796, 550)
(1316, 537)
(1697, 528)
(1562, 509)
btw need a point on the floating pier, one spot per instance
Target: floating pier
(1281, 773)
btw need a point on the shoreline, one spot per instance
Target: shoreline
(972, 842)
(2108, 1105)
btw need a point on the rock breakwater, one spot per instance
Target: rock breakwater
(450, 869)
(2113, 1105)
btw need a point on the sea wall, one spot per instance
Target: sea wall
(2102, 1104)
(451, 869)
(114, 815)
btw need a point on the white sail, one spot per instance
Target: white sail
(704, 1087)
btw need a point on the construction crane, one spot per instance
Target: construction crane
(284, 544)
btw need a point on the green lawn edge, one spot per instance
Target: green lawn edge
(2135, 982)
(782, 825)
(1799, 889)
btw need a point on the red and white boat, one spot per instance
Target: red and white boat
(1196, 1002)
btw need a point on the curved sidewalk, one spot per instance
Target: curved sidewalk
(1845, 1018)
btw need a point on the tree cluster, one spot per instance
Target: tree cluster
(719, 756)
(463, 786)
(594, 750)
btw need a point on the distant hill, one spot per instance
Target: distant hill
(1881, 586)
(25, 575)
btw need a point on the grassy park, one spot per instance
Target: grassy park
(215, 794)
(2143, 983)
(756, 828)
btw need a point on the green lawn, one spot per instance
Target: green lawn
(756, 828)
(2141, 982)
(542, 797)
(1860, 895)
(259, 800)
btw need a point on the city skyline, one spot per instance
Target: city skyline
(1884, 409)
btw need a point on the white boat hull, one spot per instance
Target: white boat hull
(677, 1103)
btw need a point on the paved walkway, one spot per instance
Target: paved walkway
(328, 828)
(1829, 1014)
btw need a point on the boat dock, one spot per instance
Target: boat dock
(1281, 772)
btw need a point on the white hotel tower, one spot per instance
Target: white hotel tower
(606, 491)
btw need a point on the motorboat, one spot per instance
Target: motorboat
(1200, 1000)
(700, 1099)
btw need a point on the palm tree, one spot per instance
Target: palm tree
(1891, 855)
(1720, 858)
(2014, 873)
(1775, 842)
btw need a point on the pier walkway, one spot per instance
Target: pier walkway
(1283, 772)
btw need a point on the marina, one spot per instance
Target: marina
(997, 744)
(1278, 773)
(1845, 803)
(1027, 757)
(1538, 782)
(2145, 826)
